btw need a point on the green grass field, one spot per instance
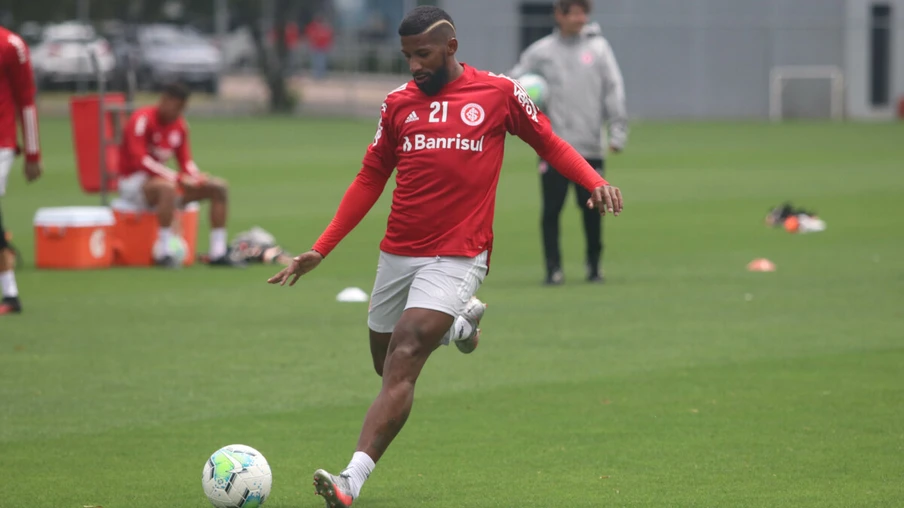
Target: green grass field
(684, 381)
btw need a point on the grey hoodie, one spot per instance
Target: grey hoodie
(585, 87)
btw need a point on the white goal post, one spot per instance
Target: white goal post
(779, 75)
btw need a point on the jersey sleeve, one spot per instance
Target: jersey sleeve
(525, 120)
(135, 141)
(22, 82)
(183, 155)
(379, 161)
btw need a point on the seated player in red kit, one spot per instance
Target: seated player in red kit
(153, 135)
(444, 133)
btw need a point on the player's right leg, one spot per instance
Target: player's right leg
(9, 304)
(387, 301)
(417, 334)
(554, 189)
(162, 196)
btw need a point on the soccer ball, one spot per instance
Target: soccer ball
(177, 249)
(236, 476)
(536, 87)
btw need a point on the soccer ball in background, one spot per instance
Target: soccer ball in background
(237, 476)
(177, 249)
(536, 87)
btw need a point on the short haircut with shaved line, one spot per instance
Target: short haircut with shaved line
(427, 18)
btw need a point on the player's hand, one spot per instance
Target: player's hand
(33, 171)
(191, 181)
(301, 265)
(606, 198)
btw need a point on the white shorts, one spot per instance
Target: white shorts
(440, 283)
(131, 189)
(7, 156)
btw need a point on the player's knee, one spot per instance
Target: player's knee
(219, 190)
(162, 190)
(409, 348)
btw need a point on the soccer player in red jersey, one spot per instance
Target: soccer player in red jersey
(151, 137)
(445, 133)
(17, 102)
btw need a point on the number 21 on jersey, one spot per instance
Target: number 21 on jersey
(435, 108)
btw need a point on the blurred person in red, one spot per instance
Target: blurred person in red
(17, 102)
(319, 35)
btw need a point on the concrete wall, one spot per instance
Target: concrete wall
(693, 58)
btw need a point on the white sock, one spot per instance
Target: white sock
(461, 328)
(163, 238)
(357, 471)
(8, 284)
(217, 243)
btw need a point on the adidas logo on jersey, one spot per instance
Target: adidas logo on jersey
(412, 117)
(422, 142)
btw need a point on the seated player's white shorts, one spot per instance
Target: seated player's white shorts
(440, 283)
(7, 156)
(131, 188)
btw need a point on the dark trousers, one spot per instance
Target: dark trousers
(555, 190)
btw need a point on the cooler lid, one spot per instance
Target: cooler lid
(74, 216)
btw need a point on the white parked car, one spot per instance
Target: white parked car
(63, 55)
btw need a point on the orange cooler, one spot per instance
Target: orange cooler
(136, 232)
(73, 237)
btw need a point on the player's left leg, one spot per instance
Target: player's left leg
(9, 304)
(593, 229)
(439, 293)
(9, 292)
(215, 190)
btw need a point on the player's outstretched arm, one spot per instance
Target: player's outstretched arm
(17, 58)
(362, 194)
(526, 121)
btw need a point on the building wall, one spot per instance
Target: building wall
(690, 58)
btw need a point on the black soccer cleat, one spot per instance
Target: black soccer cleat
(230, 260)
(10, 305)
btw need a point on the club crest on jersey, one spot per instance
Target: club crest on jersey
(423, 142)
(472, 114)
(175, 139)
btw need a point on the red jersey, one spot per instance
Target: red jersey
(448, 149)
(147, 145)
(319, 35)
(17, 96)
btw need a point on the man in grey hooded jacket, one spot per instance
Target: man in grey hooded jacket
(585, 88)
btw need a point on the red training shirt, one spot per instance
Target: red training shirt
(147, 145)
(17, 96)
(448, 149)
